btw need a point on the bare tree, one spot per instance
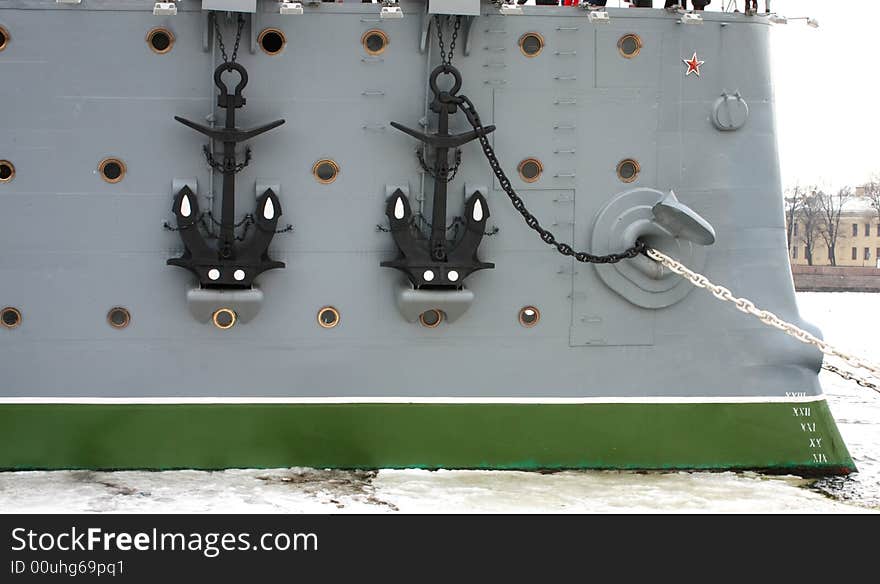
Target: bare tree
(830, 209)
(793, 202)
(872, 193)
(810, 217)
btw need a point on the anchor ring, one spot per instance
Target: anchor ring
(223, 68)
(445, 70)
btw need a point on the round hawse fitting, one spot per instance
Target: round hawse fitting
(118, 317)
(4, 38)
(10, 317)
(431, 318)
(328, 317)
(375, 41)
(224, 318)
(112, 170)
(272, 41)
(7, 171)
(160, 40)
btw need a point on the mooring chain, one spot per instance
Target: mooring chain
(565, 249)
(770, 319)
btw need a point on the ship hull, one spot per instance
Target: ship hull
(628, 367)
(779, 435)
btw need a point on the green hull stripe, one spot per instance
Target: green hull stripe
(775, 436)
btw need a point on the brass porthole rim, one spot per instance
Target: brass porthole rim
(103, 164)
(522, 39)
(428, 325)
(331, 163)
(375, 31)
(639, 45)
(153, 32)
(224, 310)
(266, 31)
(118, 309)
(635, 175)
(522, 313)
(11, 169)
(519, 169)
(6, 37)
(332, 310)
(17, 312)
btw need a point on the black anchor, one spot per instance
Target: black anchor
(439, 262)
(229, 265)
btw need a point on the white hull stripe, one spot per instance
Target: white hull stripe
(413, 400)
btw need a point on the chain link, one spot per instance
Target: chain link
(442, 174)
(444, 58)
(850, 377)
(237, 40)
(768, 318)
(547, 237)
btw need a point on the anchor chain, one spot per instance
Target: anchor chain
(748, 307)
(209, 156)
(549, 238)
(444, 58)
(220, 44)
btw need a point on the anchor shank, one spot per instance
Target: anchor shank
(227, 216)
(438, 214)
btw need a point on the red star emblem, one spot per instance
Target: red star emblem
(693, 65)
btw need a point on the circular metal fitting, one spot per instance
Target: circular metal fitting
(431, 318)
(118, 317)
(328, 317)
(224, 318)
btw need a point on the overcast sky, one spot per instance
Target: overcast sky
(826, 81)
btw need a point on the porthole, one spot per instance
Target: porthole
(4, 38)
(7, 171)
(628, 170)
(531, 44)
(629, 45)
(160, 40)
(529, 316)
(431, 318)
(224, 318)
(272, 40)
(10, 317)
(375, 41)
(325, 171)
(530, 169)
(328, 317)
(112, 170)
(118, 317)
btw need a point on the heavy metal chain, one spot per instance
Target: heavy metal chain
(444, 58)
(565, 249)
(770, 319)
(445, 175)
(237, 40)
(850, 377)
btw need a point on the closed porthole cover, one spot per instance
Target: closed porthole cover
(328, 317)
(629, 45)
(118, 317)
(272, 41)
(112, 170)
(531, 44)
(628, 170)
(325, 171)
(375, 41)
(10, 317)
(7, 171)
(160, 40)
(530, 170)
